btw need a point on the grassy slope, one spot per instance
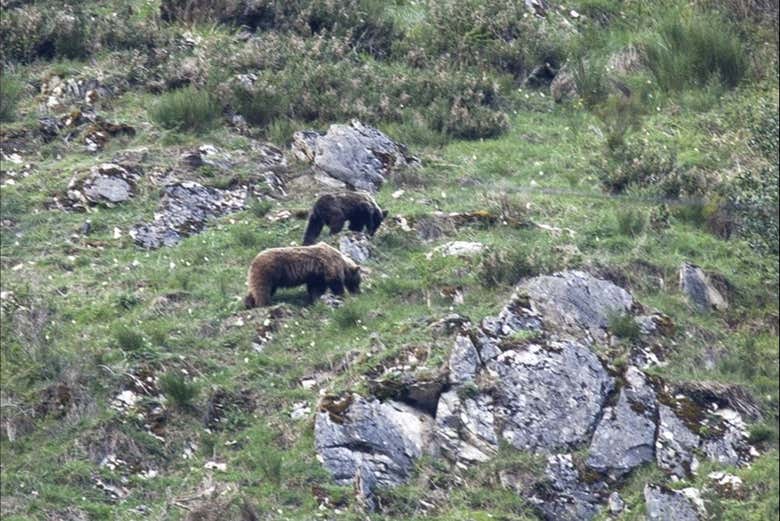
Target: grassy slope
(98, 287)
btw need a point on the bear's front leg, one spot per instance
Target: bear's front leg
(314, 291)
(337, 287)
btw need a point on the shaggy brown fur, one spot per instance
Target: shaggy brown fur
(358, 208)
(319, 267)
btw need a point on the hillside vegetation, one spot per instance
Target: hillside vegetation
(619, 138)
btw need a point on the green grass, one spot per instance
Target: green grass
(187, 109)
(96, 313)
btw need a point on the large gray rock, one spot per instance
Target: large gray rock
(184, 210)
(465, 427)
(623, 440)
(356, 154)
(625, 436)
(356, 246)
(464, 361)
(699, 290)
(549, 397)
(563, 496)
(576, 301)
(375, 442)
(664, 504)
(675, 444)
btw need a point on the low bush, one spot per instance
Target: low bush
(631, 222)
(314, 81)
(128, 339)
(753, 195)
(623, 326)
(690, 51)
(10, 92)
(187, 109)
(178, 390)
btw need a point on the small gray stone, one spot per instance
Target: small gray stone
(615, 503)
(355, 245)
(699, 290)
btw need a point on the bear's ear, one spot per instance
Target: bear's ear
(384, 213)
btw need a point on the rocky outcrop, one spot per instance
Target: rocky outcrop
(702, 295)
(531, 377)
(371, 443)
(359, 155)
(184, 209)
(563, 494)
(549, 396)
(665, 504)
(577, 302)
(356, 246)
(107, 184)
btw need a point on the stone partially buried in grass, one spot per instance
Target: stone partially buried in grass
(107, 184)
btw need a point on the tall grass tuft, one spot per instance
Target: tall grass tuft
(187, 109)
(10, 92)
(690, 52)
(178, 390)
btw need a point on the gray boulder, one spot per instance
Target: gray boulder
(464, 361)
(356, 154)
(664, 504)
(563, 496)
(356, 246)
(183, 211)
(576, 301)
(675, 444)
(549, 397)
(624, 439)
(375, 443)
(465, 428)
(699, 290)
(107, 184)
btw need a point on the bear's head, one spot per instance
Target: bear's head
(378, 217)
(352, 278)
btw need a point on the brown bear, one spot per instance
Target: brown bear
(358, 208)
(319, 267)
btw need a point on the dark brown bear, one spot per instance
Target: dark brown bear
(319, 267)
(358, 208)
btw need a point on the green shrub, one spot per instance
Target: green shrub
(640, 164)
(260, 207)
(486, 34)
(187, 109)
(505, 267)
(623, 326)
(347, 316)
(317, 83)
(10, 92)
(754, 194)
(128, 339)
(631, 221)
(178, 390)
(690, 51)
(48, 32)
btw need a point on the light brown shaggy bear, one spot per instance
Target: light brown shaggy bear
(319, 267)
